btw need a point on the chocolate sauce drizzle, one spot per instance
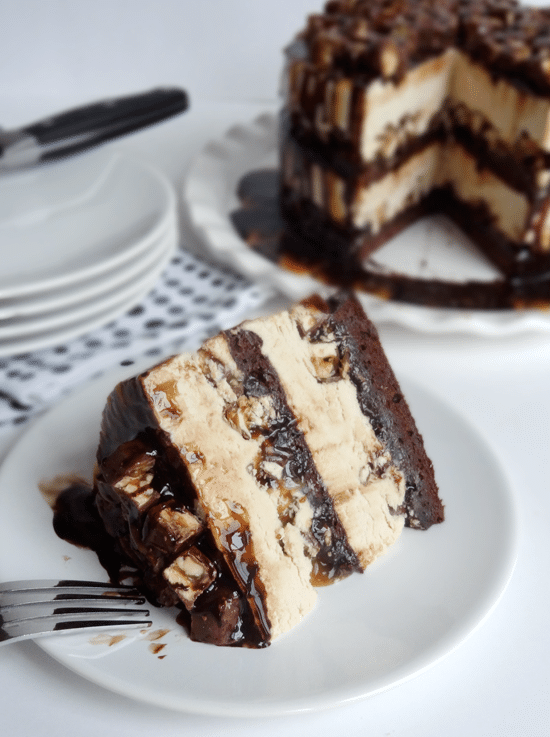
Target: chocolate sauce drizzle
(261, 225)
(284, 440)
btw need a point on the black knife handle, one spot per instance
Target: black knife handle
(101, 121)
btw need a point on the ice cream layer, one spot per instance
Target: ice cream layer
(373, 204)
(365, 488)
(384, 115)
(439, 166)
(200, 417)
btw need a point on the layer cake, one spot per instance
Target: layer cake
(396, 108)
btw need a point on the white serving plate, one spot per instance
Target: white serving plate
(366, 634)
(426, 249)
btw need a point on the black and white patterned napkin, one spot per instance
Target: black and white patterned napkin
(191, 301)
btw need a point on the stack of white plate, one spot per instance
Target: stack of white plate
(81, 242)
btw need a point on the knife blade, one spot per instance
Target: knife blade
(78, 129)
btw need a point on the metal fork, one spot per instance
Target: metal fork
(30, 609)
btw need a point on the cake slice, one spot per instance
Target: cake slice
(279, 457)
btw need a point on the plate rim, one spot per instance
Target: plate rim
(76, 294)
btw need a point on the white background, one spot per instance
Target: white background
(77, 49)
(55, 53)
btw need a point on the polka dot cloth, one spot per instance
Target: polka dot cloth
(191, 301)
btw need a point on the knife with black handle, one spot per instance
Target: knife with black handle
(76, 130)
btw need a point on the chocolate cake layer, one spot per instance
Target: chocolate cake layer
(286, 457)
(279, 457)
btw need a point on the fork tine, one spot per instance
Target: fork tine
(65, 624)
(45, 583)
(26, 609)
(15, 593)
(40, 610)
(66, 586)
(30, 609)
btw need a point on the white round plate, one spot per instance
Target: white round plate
(64, 223)
(56, 330)
(36, 305)
(366, 634)
(426, 249)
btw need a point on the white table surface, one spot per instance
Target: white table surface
(497, 683)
